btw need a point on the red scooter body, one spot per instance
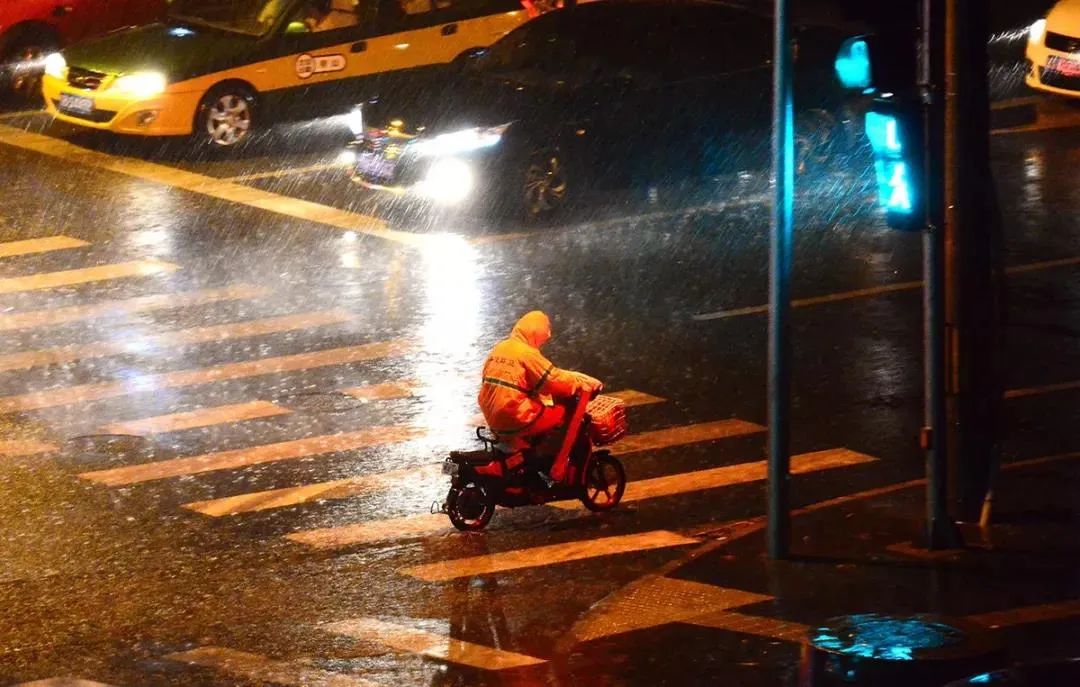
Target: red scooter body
(484, 479)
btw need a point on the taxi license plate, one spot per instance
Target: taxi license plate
(375, 166)
(1065, 66)
(75, 104)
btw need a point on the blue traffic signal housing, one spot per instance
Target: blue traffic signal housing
(852, 65)
(883, 63)
(895, 133)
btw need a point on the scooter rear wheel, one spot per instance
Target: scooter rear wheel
(605, 483)
(470, 507)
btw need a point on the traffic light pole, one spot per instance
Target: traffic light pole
(783, 168)
(934, 438)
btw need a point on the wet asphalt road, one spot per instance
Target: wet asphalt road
(252, 314)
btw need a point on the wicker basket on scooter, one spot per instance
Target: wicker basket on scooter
(608, 419)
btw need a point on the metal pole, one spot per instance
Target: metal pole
(783, 166)
(935, 432)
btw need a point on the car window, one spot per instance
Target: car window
(254, 17)
(539, 44)
(706, 42)
(318, 16)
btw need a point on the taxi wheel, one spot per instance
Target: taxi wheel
(20, 75)
(226, 116)
(545, 185)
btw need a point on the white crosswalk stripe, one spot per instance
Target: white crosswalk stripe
(640, 490)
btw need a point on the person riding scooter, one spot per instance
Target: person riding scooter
(517, 379)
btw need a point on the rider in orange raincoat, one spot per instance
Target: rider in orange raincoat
(516, 380)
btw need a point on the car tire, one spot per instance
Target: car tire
(226, 116)
(20, 82)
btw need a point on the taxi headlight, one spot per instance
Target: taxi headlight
(1036, 32)
(141, 84)
(56, 65)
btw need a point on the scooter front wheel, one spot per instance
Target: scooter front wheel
(605, 483)
(470, 507)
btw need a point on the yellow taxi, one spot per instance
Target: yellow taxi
(217, 68)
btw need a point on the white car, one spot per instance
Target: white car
(1053, 50)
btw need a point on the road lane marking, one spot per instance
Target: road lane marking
(62, 682)
(1028, 614)
(728, 475)
(370, 532)
(430, 644)
(386, 391)
(428, 524)
(658, 600)
(128, 306)
(153, 344)
(85, 275)
(1042, 265)
(616, 222)
(873, 291)
(816, 300)
(203, 417)
(209, 186)
(633, 398)
(1049, 125)
(363, 484)
(545, 555)
(322, 491)
(42, 245)
(291, 171)
(20, 114)
(1016, 102)
(682, 435)
(759, 626)
(12, 448)
(260, 669)
(52, 398)
(1039, 390)
(256, 455)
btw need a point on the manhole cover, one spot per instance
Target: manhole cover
(321, 402)
(886, 651)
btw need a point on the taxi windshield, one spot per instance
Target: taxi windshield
(252, 17)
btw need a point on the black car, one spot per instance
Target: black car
(607, 92)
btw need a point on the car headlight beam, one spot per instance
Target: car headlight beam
(448, 181)
(141, 84)
(56, 65)
(1036, 32)
(459, 142)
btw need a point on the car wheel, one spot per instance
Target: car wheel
(226, 116)
(21, 67)
(545, 185)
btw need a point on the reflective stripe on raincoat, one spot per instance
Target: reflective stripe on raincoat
(516, 377)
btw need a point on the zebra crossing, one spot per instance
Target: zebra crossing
(190, 406)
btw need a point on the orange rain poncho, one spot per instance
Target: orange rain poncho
(517, 375)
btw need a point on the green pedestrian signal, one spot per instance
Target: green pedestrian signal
(895, 136)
